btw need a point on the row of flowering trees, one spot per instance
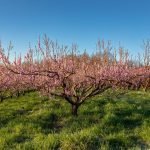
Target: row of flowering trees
(61, 71)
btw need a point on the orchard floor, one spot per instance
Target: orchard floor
(31, 122)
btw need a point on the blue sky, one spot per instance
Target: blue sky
(75, 21)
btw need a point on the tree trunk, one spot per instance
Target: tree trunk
(17, 94)
(146, 86)
(1, 99)
(75, 110)
(23, 93)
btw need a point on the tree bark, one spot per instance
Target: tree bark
(1, 99)
(75, 110)
(17, 94)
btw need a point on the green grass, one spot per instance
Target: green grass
(34, 123)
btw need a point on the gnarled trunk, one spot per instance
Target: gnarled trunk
(75, 110)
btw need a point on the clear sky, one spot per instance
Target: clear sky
(75, 21)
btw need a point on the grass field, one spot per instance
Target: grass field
(31, 122)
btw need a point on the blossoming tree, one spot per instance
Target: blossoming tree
(60, 71)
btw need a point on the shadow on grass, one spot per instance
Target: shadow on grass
(119, 144)
(49, 123)
(20, 139)
(13, 115)
(127, 118)
(110, 118)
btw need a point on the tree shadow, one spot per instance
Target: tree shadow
(20, 139)
(119, 144)
(49, 123)
(13, 114)
(127, 119)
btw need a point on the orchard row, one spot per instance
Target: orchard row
(56, 70)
